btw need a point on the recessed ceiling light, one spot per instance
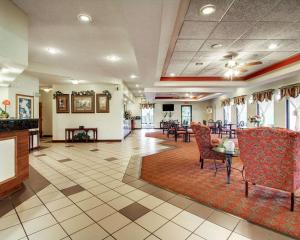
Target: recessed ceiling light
(208, 9)
(47, 89)
(187, 94)
(132, 76)
(75, 82)
(273, 46)
(140, 91)
(85, 18)
(216, 45)
(136, 85)
(113, 58)
(172, 74)
(52, 50)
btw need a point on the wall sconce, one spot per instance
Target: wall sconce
(250, 100)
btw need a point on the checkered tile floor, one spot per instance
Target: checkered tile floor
(93, 191)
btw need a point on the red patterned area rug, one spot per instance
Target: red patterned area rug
(177, 169)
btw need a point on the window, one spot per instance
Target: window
(266, 110)
(293, 113)
(241, 113)
(227, 114)
(186, 114)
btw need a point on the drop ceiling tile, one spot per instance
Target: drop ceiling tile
(208, 43)
(193, 69)
(230, 30)
(249, 45)
(245, 10)
(196, 30)
(209, 56)
(251, 56)
(271, 30)
(285, 11)
(182, 56)
(188, 45)
(196, 5)
(277, 56)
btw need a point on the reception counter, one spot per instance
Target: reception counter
(14, 153)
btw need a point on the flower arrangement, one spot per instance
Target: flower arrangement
(4, 113)
(255, 119)
(107, 93)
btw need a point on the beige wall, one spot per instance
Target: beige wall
(279, 106)
(110, 125)
(46, 100)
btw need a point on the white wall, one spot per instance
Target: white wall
(46, 100)
(199, 112)
(110, 125)
(279, 106)
(26, 85)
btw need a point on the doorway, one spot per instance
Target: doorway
(186, 114)
(147, 118)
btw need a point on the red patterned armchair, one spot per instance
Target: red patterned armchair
(205, 144)
(271, 158)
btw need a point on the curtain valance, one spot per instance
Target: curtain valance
(290, 91)
(263, 95)
(147, 105)
(239, 100)
(225, 102)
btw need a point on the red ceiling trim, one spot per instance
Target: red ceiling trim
(273, 67)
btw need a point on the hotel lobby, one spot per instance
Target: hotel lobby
(149, 119)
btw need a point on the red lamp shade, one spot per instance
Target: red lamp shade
(6, 102)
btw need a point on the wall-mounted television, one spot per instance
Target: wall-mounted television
(168, 107)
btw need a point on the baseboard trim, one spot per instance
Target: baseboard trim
(46, 136)
(90, 141)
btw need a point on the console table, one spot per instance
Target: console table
(69, 133)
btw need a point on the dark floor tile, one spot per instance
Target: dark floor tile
(127, 179)
(69, 146)
(65, 160)
(40, 155)
(72, 190)
(5, 206)
(181, 201)
(137, 183)
(163, 195)
(94, 150)
(134, 211)
(148, 188)
(111, 159)
(200, 210)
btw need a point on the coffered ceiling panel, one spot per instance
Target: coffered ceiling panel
(196, 30)
(250, 10)
(195, 5)
(188, 45)
(230, 30)
(285, 11)
(251, 30)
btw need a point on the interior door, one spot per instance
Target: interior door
(41, 119)
(186, 114)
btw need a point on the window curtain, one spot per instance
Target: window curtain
(263, 107)
(147, 105)
(240, 109)
(263, 95)
(291, 92)
(239, 100)
(225, 102)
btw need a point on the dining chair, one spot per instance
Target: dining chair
(205, 145)
(271, 158)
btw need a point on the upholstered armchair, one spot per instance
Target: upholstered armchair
(271, 158)
(205, 144)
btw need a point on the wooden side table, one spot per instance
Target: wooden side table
(70, 132)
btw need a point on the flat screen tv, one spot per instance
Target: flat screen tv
(168, 107)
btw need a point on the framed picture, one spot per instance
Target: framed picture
(102, 103)
(83, 104)
(24, 106)
(62, 103)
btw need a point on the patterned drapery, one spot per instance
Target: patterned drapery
(263, 95)
(290, 91)
(147, 105)
(225, 102)
(239, 100)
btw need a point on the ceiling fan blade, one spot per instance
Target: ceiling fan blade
(230, 55)
(253, 63)
(243, 70)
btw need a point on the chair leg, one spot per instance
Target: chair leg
(292, 201)
(216, 169)
(201, 162)
(246, 188)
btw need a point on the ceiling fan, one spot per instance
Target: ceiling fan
(234, 68)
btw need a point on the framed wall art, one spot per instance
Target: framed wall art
(102, 103)
(24, 106)
(83, 103)
(63, 103)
